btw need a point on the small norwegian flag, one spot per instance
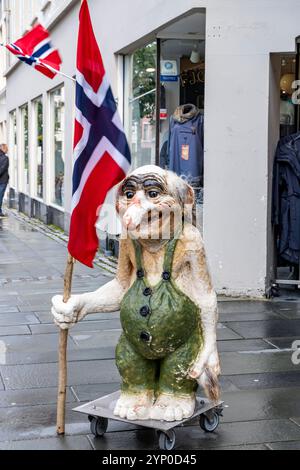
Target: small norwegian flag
(35, 49)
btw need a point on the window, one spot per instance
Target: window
(13, 149)
(38, 146)
(25, 149)
(141, 95)
(57, 110)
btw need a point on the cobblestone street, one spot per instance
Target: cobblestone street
(261, 385)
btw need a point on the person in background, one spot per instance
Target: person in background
(4, 176)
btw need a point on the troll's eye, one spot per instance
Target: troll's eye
(153, 194)
(129, 194)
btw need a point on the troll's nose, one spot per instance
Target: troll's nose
(135, 212)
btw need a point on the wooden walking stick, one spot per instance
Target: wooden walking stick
(62, 354)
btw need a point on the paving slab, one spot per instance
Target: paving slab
(224, 332)
(35, 422)
(296, 420)
(11, 319)
(14, 330)
(245, 306)
(93, 391)
(192, 437)
(45, 375)
(82, 326)
(47, 318)
(32, 397)
(244, 447)
(30, 344)
(8, 309)
(55, 443)
(244, 316)
(89, 339)
(291, 445)
(284, 343)
(15, 358)
(265, 380)
(266, 329)
(1, 384)
(243, 345)
(261, 404)
(256, 362)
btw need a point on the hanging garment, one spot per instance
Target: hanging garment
(185, 149)
(286, 197)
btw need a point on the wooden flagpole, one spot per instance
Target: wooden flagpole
(62, 354)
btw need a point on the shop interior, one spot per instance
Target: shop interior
(285, 217)
(165, 92)
(182, 109)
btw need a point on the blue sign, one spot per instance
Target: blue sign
(169, 78)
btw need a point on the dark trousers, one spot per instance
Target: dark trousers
(2, 192)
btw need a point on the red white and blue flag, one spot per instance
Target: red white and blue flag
(35, 49)
(101, 153)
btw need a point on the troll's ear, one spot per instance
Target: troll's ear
(189, 203)
(189, 195)
(185, 193)
(118, 195)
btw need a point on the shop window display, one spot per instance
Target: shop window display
(181, 113)
(25, 148)
(38, 116)
(141, 89)
(182, 100)
(286, 184)
(57, 125)
(14, 148)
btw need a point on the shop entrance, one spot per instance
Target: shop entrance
(284, 140)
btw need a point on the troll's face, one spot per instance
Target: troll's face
(151, 202)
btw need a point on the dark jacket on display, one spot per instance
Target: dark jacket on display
(4, 165)
(286, 197)
(185, 148)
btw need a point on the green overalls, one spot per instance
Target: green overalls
(162, 334)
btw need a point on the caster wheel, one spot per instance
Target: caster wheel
(98, 426)
(167, 441)
(209, 424)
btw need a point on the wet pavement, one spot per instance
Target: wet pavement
(260, 383)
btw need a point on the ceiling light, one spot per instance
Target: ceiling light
(195, 57)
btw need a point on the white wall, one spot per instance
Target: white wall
(240, 35)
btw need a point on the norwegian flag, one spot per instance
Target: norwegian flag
(101, 153)
(35, 49)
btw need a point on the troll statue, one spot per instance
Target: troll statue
(167, 303)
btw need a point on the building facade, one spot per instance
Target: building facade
(228, 58)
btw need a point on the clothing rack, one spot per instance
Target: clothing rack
(290, 281)
(278, 281)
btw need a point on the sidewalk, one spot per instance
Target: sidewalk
(261, 385)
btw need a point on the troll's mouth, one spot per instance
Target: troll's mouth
(154, 216)
(150, 218)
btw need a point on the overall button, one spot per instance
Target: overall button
(144, 311)
(145, 336)
(140, 273)
(147, 291)
(166, 276)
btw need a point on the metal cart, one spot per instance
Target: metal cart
(101, 410)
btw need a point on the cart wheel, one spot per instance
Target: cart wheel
(166, 441)
(209, 424)
(98, 426)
